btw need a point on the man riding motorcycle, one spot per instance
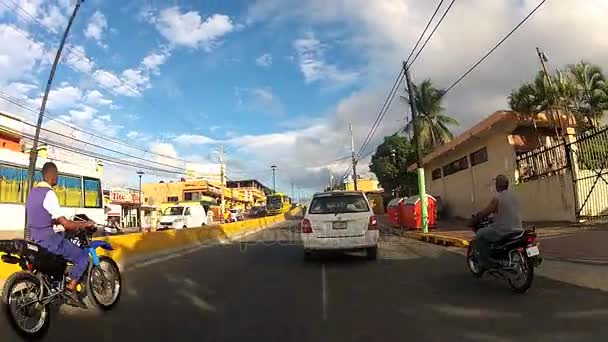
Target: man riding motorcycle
(507, 219)
(43, 211)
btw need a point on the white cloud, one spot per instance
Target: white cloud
(85, 113)
(264, 60)
(63, 97)
(107, 79)
(260, 100)
(54, 19)
(95, 98)
(77, 58)
(193, 139)
(135, 78)
(154, 60)
(133, 134)
(19, 54)
(96, 26)
(314, 67)
(190, 30)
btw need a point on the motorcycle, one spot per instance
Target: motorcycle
(29, 295)
(516, 256)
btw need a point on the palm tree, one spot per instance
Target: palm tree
(432, 123)
(592, 98)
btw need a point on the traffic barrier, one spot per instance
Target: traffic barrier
(438, 239)
(130, 248)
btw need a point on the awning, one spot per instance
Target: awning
(115, 209)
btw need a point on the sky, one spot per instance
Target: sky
(272, 81)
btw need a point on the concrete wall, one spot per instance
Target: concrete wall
(547, 199)
(471, 189)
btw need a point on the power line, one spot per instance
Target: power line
(19, 103)
(432, 32)
(494, 48)
(424, 31)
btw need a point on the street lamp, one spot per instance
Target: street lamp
(393, 155)
(274, 181)
(140, 173)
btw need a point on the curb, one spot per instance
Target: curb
(438, 239)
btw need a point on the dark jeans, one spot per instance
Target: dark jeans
(57, 244)
(485, 237)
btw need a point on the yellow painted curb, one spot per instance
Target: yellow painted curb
(438, 239)
(149, 243)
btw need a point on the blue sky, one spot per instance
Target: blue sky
(273, 81)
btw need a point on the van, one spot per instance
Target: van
(183, 216)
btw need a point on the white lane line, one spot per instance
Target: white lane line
(324, 291)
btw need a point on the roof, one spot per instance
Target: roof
(233, 183)
(507, 119)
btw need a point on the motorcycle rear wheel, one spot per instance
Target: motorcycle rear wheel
(525, 272)
(13, 294)
(473, 261)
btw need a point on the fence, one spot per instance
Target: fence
(542, 162)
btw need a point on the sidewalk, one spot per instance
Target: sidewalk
(583, 243)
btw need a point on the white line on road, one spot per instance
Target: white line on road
(324, 291)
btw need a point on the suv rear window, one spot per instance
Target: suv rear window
(332, 204)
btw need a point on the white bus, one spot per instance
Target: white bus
(78, 188)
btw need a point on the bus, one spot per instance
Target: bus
(78, 189)
(278, 203)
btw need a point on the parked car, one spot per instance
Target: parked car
(340, 220)
(183, 216)
(259, 211)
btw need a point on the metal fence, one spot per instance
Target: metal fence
(543, 162)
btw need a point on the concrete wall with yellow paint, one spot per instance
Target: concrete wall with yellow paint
(130, 248)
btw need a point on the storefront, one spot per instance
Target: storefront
(129, 203)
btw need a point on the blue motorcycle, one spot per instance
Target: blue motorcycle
(29, 296)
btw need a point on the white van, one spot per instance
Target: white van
(183, 216)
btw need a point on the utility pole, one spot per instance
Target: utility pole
(139, 216)
(222, 182)
(543, 58)
(274, 179)
(292, 194)
(34, 152)
(420, 170)
(352, 149)
(331, 180)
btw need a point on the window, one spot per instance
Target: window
(436, 173)
(69, 191)
(455, 166)
(172, 199)
(338, 204)
(479, 157)
(174, 211)
(187, 212)
(13, 180)
(92, 193)
(192, 196)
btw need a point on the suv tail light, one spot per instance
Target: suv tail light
(305, 226)
(373, 223)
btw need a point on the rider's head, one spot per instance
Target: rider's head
(502, 183)
(49, 173)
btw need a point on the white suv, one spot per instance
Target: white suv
(340, 220)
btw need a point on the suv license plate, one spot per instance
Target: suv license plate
(339, 225)
(532, 251)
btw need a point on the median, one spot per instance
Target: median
(136, 247)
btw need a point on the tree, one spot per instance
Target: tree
(390, 163)
(580, 89)
(433, 124)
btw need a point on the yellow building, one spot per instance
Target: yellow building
(363, 184)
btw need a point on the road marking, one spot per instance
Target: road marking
(324, 291)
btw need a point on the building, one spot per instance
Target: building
(253, 191)
(460, 173)
(363, 184)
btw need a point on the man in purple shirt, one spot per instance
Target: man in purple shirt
(43, 211)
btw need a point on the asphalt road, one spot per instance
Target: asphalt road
(263, 290)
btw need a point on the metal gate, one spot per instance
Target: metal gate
(588, 159)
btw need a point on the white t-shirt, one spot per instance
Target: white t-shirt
(51, 202)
